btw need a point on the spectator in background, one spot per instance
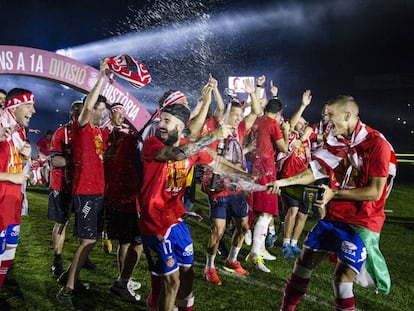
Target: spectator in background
(43, 149)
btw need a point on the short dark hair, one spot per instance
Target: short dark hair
(3, 91)
(75, 108)
(274, 105)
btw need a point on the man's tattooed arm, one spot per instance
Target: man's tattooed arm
(185, 151)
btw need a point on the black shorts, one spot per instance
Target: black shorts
(88, 216)
(303, 208)
(122, 226)
(59, 206)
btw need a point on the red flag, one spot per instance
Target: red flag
(119, 66)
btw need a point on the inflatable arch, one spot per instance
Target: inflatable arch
(17, 60)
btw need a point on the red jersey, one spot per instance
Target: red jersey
(296, 160)
(351, 167)
(267, 132)
(11, 198)
(233, 153)
(60, 145)
(163, 187)
(44, 145)
(121, 176)
(87, 146)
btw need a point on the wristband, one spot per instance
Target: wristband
(257, 85)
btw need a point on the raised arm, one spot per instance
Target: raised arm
(92, 97)
(306, 100)
(256, 109)
(197, 122)
(220, 106)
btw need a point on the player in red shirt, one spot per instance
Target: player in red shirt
(358, 161)
(121, 200)
(226, 201)
(88, 183)
(61, 177)
(270, 139)
(167, 160)
(14, 152)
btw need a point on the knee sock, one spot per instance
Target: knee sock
(152, 299)
(344, 296)
(4, 268)
(295, 287)
(259, 234)
(210, 260)
(233, 253)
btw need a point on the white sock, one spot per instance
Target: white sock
(272, 229)
(259, 234)
(233, 253)
(343, 290)
(286, 241)
(210, 260)
(293, 242)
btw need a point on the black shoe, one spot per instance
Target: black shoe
(79, 286)
(4, 305)
(57, 268)
(66, 299)
(89, 265)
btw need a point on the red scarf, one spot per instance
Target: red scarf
(119, 66)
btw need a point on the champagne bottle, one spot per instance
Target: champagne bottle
(307, 194)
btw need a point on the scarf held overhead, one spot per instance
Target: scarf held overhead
(119, 66)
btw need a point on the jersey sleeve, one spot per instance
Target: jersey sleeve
(57, 142)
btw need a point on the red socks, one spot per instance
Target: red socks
(294, 291)
(345, 304)
(4, 268)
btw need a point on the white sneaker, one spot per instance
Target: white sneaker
(248, 237)
(133, 285)
(124, 292)
(258, 263)
(267, 256)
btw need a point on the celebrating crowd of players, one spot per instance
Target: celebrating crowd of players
(134, 187)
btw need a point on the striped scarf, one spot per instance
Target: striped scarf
(119, 66)
(338, 147)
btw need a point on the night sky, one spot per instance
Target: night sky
(361, 48)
